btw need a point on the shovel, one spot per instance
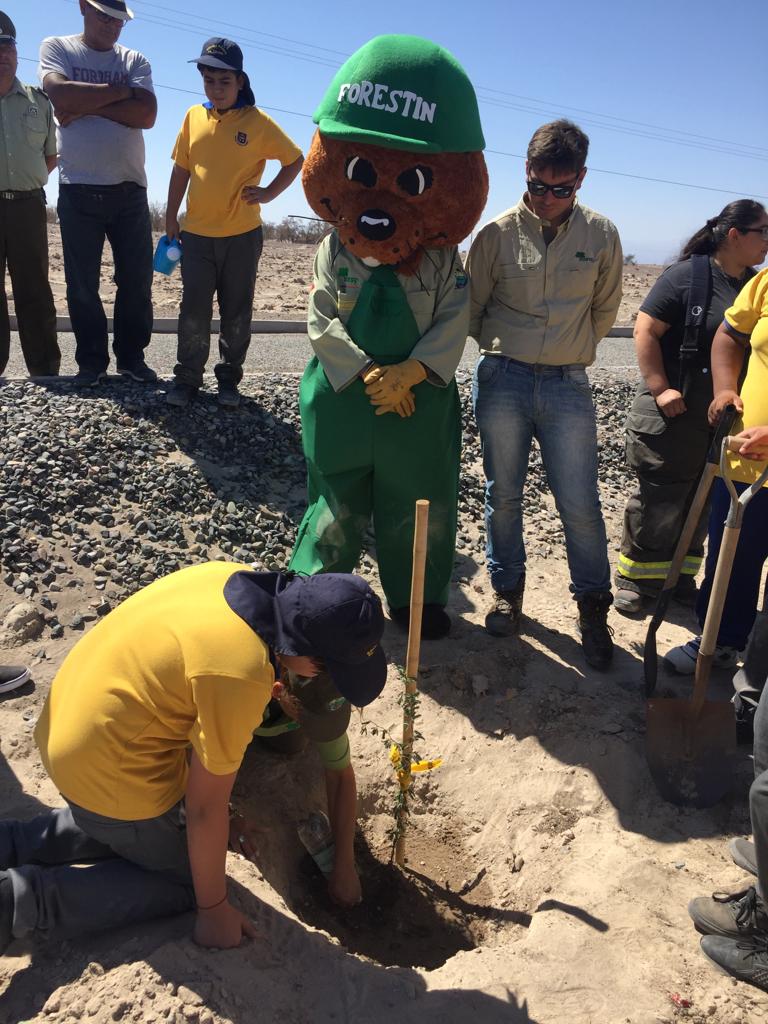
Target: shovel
(650, 659)
(690, 742)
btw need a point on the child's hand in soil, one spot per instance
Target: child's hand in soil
(344, 887)
(222, 927)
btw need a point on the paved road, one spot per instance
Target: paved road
(285, 353)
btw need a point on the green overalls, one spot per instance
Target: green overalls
(360, 464)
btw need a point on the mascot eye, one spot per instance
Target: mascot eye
(415, 180)
(360, 170)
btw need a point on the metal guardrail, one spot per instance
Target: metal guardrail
(169, 325)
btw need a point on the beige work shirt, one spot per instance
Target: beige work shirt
(27, 137)
(548, 304)
(438, 296)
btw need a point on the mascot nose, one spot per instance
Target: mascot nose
(376, 225)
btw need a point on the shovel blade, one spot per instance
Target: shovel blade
(691, 758)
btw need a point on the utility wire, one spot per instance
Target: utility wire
(496, 152)
(671, 135)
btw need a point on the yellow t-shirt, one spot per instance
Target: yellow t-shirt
(748, 317)
(224, 152)
(171, 666)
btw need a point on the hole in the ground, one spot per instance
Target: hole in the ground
(412, 918)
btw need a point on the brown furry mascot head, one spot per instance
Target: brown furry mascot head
(396, 165)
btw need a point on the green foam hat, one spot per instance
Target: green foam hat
(403, 92)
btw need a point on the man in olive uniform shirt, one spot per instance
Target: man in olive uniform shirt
(546, 287)
(27, 155)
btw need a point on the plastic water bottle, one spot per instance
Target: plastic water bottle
(317, 838)
(167, 255)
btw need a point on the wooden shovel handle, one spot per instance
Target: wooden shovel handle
(417, 588)
(714, 616)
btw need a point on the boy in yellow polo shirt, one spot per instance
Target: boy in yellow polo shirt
(187, 662)
(220, 154)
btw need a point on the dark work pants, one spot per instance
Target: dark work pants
(668, 457)
(119, 214)
(225, 267)
(24, 250)
(137, 871)
(743, 594)
(758, 794)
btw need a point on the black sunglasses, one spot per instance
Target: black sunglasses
(540, 188)
(762, 231)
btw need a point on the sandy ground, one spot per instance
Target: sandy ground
(547, 881)
(285, 278)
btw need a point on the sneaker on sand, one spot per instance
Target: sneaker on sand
(6, 912)
(628, 602)
(229, 396)
(596, 634)
(742, 853)
(504, 617)
(745, 959)
(139, 372)
(180, 395)
(733, 915)
(682, 660)
(12, 677)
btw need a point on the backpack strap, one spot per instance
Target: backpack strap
(699, 296)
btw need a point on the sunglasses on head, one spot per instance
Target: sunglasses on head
(540, 188)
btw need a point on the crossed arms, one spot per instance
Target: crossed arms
(127, 105)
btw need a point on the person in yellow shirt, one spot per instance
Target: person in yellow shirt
(744, 329)
(144, 730)
(220, 154)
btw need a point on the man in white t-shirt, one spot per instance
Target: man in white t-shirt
(103, 97)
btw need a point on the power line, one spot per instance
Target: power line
(640, 124)
(650, 131)
(496, 152)
(637, 129)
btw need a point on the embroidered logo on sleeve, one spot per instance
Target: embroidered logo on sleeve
(583, 258)
(461, 279)
(241, 138)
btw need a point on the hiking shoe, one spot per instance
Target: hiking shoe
(89, 378)
(140, 372)
(733, 915)
(229, 396)
(682, 660)
(180, 395)
(746, 959)
(743, 854)
(12, 677)
(596, 634)
(686, 591)
(6, 911)
(628, 602)
(504, 617)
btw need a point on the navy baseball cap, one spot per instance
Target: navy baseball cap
(226, 55)
(7, 29)
(334, 617)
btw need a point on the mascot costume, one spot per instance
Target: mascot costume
(396, 166)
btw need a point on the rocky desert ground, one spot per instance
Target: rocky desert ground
(546, 881)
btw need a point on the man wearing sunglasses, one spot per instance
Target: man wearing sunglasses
(546, 286)
(103, 97)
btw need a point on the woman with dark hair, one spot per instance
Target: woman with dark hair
(667, 431)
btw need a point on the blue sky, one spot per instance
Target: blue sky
(669, 89)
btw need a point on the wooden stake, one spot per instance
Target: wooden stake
(412, 662)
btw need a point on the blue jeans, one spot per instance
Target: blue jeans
(515, 402)
(138, 871)
(89, 215)
(743, 594)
